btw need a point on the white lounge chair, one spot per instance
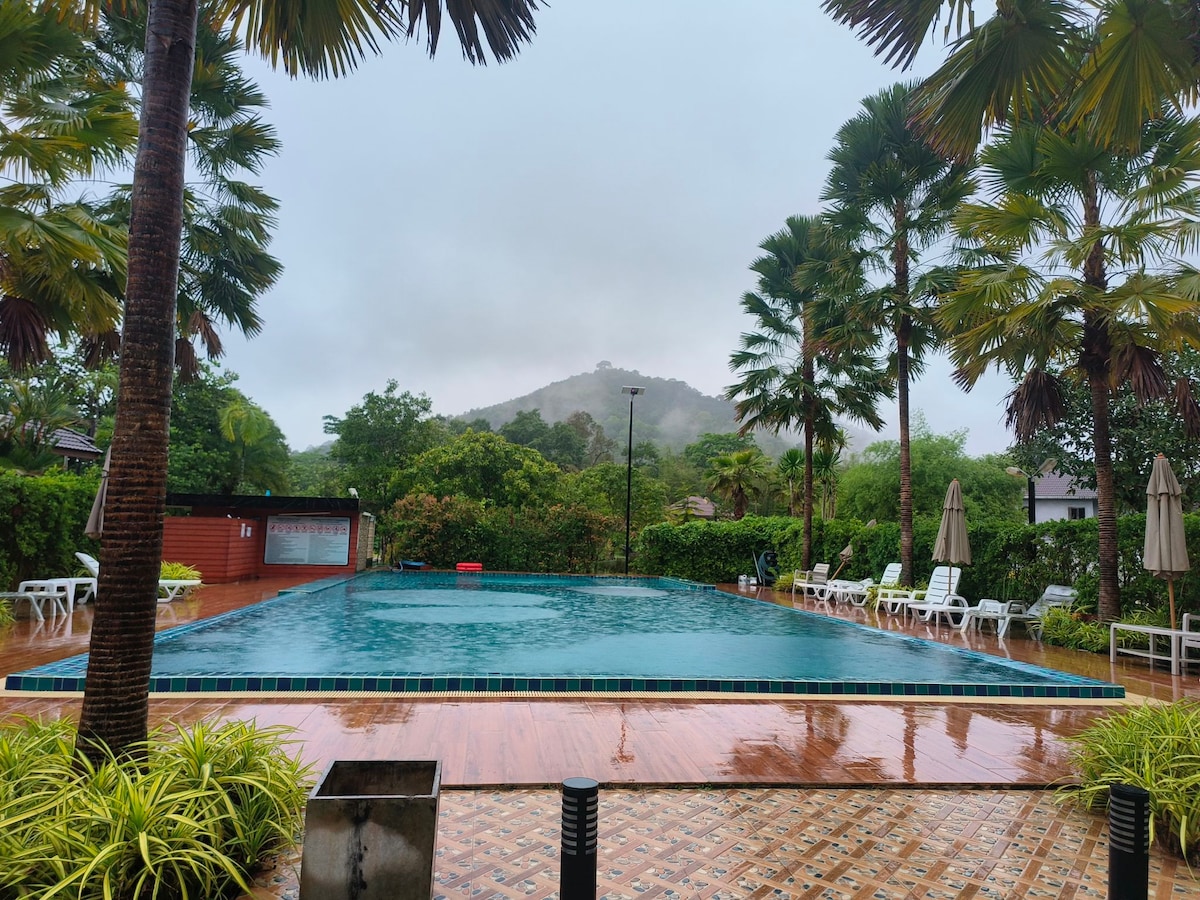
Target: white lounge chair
(810, 582)
(939, 598)
(74, 588)
(853, 592)
(38, 599)
(1189, 640)
(1031, 618)
(994, 611)
(169, 588)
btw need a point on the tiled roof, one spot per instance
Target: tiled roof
(70, 443)
(1061, 487)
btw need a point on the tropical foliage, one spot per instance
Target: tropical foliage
(197, 818)
(891, 199)
(1109, 66)
(803, 364)
(1079, 283)
(1155, 747)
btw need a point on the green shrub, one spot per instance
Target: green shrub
(1068, 628)
(1154, 747)
(193, 821)
(179, 572)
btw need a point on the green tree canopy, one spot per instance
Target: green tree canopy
(709, 446)
(222, 442)
(867, 488)
(378, 438)
(482, 467)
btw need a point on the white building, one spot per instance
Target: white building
(1060, 497)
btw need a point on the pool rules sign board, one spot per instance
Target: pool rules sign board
(307, 541)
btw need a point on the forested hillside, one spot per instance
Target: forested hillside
(671, 414)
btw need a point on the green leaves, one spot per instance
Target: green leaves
(1155, 747)
(209, 804)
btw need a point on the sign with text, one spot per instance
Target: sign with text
(307, 541)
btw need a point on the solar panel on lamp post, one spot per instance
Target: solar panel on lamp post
(632, 391)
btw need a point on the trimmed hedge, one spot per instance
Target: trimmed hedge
(44, 519)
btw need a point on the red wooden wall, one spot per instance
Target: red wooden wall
(231, 549)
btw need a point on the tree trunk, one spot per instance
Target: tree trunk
(906, 497)
(810, 421)
(903, 337)
(116, 698)
(1109, 605)
(1096, 359)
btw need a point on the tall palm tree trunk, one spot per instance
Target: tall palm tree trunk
(806, 545)
(1097, 362)
(906, 495)
(807, 372)
(1109, 605)
(116, 702)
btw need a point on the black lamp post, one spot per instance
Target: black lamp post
(632, 392)
(1017, 472)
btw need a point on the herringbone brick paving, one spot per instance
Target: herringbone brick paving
(741, 844)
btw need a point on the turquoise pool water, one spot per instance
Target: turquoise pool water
(418, 631)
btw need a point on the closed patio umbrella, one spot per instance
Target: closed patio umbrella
(95, 522)
(952, 545)
(1166, 549)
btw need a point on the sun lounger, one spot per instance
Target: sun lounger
(1189, 642)
(77, 590)
(168, 588)
(1031, 618)
(38, 600)
(938, 599)
(810, 581)
(994, 611)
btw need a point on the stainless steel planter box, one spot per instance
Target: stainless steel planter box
(370, 830)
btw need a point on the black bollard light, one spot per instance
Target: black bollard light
(580, 821)
(1128, 842)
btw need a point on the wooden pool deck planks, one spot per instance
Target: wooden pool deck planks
(646, 740)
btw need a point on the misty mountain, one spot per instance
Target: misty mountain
(670, 413)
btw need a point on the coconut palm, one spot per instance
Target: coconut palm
(1082, 284)
(892, 197)
(1111, 65)
(321, 39)
(805, 362)
(737, 476)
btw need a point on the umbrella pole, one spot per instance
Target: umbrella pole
(1171, 597)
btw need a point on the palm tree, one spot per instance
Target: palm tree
(32, 412)
(826, 465)
(1073, 229)
(1110, 65)
(805, 362)
(736, 476)
(320, 39)
(892, 197)
(791, 467)
(61, 264)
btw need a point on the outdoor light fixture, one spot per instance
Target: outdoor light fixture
(1017, 472)
(632, 391)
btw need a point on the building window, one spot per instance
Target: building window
(1076, 512)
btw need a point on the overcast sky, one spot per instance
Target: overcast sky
(476, 233)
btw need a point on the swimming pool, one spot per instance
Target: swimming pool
(415, 632)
